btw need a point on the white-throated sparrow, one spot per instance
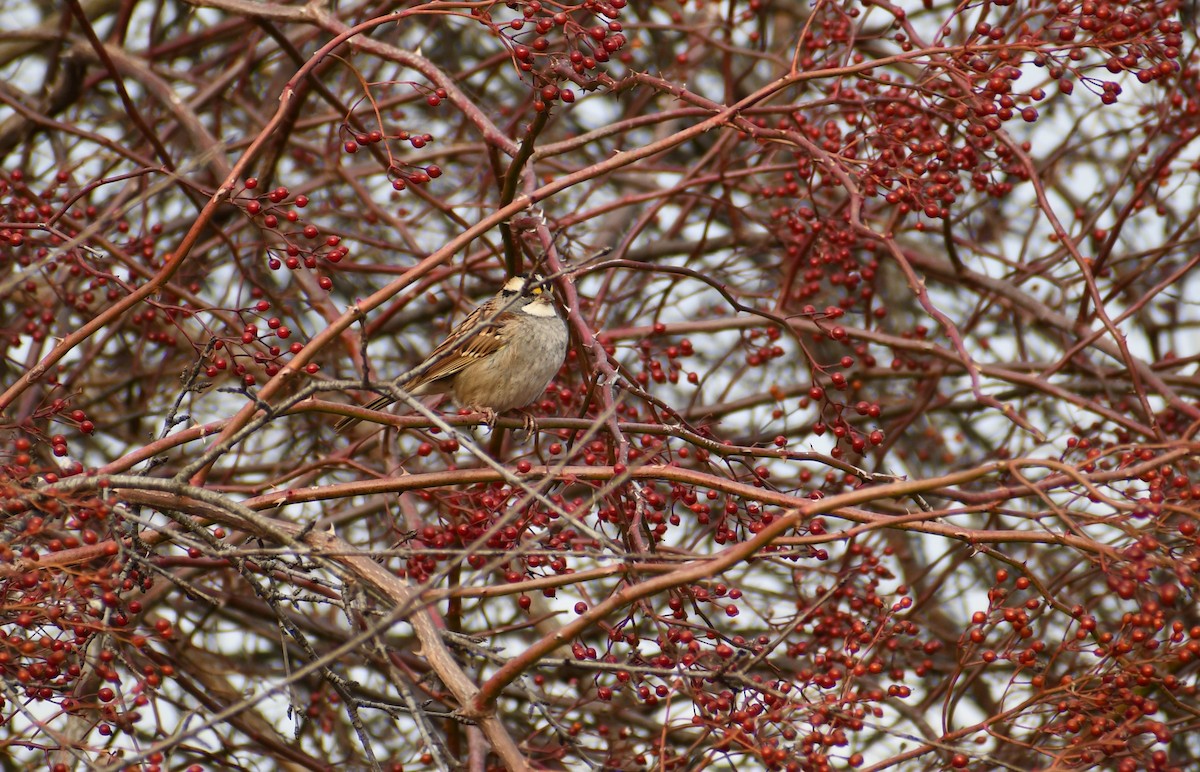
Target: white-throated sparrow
(501, 357)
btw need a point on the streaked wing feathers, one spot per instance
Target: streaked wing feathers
(453, 355)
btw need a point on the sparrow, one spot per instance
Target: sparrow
(499, 358)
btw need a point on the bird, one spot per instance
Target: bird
(501, 357)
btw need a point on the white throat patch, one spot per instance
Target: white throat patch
(543, 307)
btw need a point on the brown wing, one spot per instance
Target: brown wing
(450, 357)
(472, 342)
